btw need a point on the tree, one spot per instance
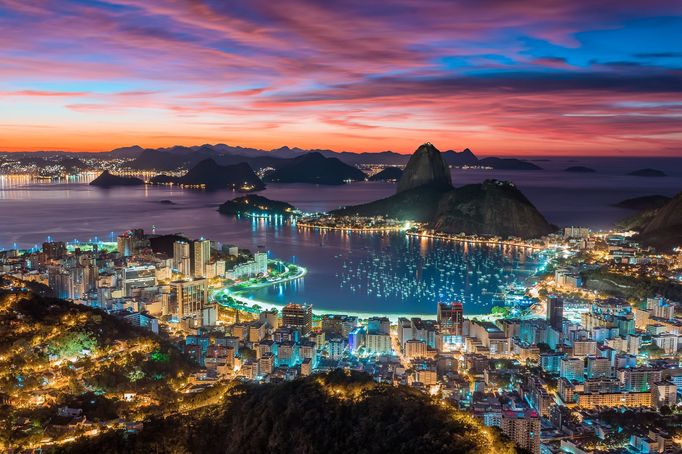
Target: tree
(72, 344)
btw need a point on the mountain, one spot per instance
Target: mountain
(462, 158)
(664, 230)
(647, 173)
(127, 152)
(579, 169)
(315, 168)
(425, 167)
(211, 175)
(425, 194)
(388, 174)
(156, 159)
(491, 208)
(417, 204)
(336, 412)
(508, 164)
(255, 205)
(108, 180)
(646, 202)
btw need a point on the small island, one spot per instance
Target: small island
(647, 202)
(655, 173)
(579, 169)
(256, 206)
(109, 180)
(387, 174)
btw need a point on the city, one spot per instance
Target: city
(304, 227)
(551, 376)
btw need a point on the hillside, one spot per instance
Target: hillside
(647, 202)
(664, 230)
(210, 175)
(387, 174)
(418, 204)
(490, 208)
(55, 353)
(316, 169)
(337, 412)
(108, 180)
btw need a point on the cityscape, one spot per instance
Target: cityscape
(377, 288)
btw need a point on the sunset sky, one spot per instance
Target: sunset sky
(498, 76)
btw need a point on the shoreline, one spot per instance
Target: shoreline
(266, 305)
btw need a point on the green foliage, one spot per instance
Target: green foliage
(71, 344)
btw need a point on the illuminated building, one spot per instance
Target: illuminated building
(616, 399)
(181, 260)
(299, 317)
(640, 379)
(256, 331)
(131, 242)
(523, 427)
(583, 348)
(598, 367)
(490, 336)
(202, 255)
(356, 339)
(55, 250)
(306, 367)
(335, 347)
(450, 318)
(667, 342)
(415, 349)
(572, 369)
(555, 312)
(266, 363)
(664, 393)
(138, 277)
(379, 325)
(261, 260)
(378, 343)
(189, 298)
(270, 318)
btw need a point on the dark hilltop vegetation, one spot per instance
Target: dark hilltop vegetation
(338, 412)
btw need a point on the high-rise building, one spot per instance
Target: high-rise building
(131, 242)
(298, 316)
(261, 259)
(138, 277)
(663, 393)
(555, 312)
(189, 298)
(55, 250)
(181, 259)
(202, 255)
(572, 369)
(523, 427)
(379, 325)
(451, 318)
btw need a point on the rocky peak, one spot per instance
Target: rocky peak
(425, 168)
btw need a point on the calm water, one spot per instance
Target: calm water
(364, 273)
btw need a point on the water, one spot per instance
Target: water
(382, 274)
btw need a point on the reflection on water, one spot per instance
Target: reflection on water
(382, 274)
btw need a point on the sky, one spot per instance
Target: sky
(501, 77)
